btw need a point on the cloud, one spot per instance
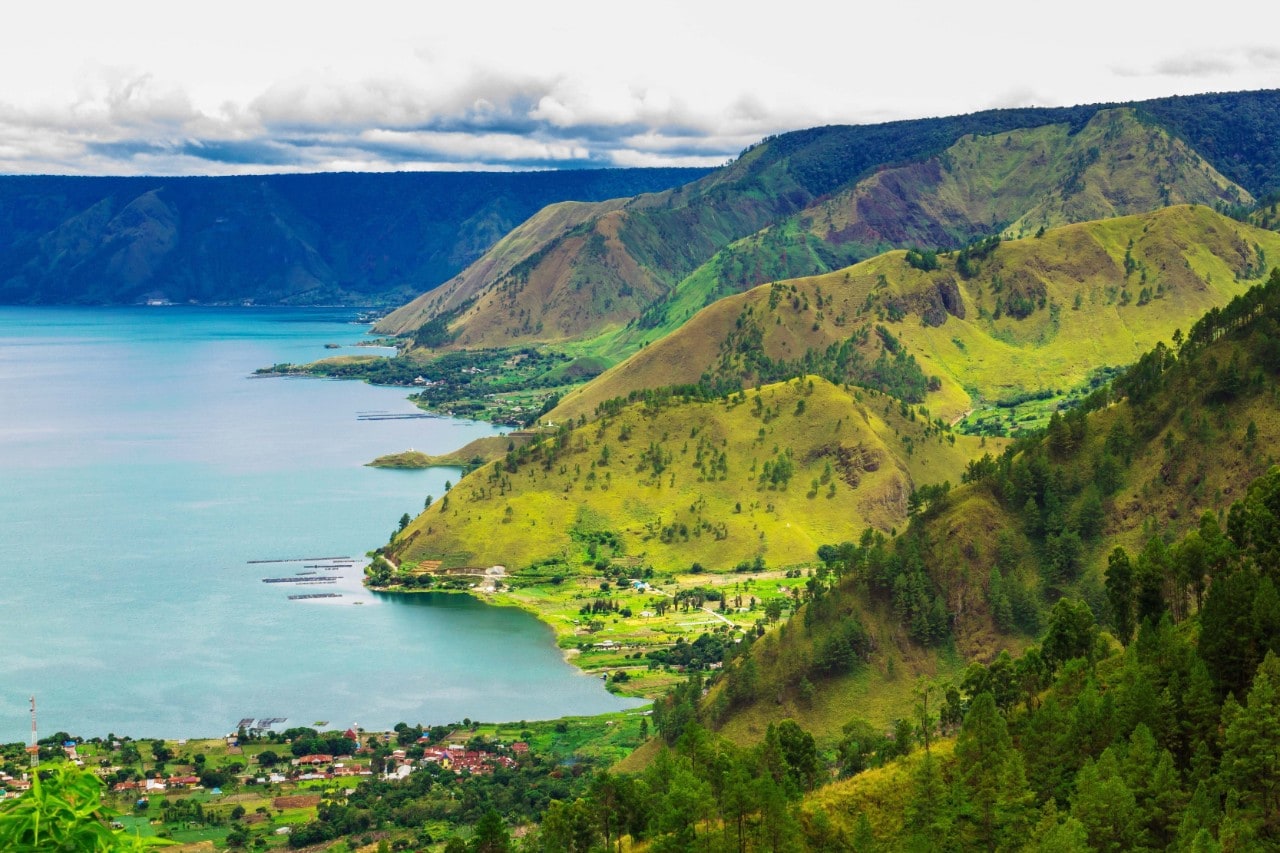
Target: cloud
(1234, 63)
(374, 98)
(1194, 66)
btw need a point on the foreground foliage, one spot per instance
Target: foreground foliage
(63, 811)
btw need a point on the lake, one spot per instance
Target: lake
(142, 469)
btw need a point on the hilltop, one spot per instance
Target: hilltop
(1000, 322)
(357, 239)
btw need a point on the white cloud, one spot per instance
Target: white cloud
(629, 158)
(131, 86)
(482, 147)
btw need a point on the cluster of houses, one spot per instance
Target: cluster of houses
(455, 757)
(459, 759)
(11, 787)
(157, 784)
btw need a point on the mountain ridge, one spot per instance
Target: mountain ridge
(1105, 160)
(354, 238)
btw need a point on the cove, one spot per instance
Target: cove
(142, 470)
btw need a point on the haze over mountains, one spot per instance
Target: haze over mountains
(355, 239)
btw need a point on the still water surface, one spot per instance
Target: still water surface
(141, 469)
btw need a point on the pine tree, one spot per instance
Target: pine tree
(1201, 815)
(1120, 594)
(491, 835)
(1251, 756)
(1106, 806)
(929, 814)
(993, 778)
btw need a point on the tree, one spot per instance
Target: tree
(491, 834)
(1072, 632)
(1106, 807)
(1120, 594)
(993, 778)
(1251, 756)
(1153, 568)
(160, 752)
(567, 828)
(929, 814)
(800, 752)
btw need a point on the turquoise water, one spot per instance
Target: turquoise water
(141, 469)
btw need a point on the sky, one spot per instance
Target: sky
(236, 87)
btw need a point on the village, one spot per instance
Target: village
(372, 758)
(261, 788)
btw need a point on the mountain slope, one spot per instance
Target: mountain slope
(297, 239)
(1173, 442)
(1035, 314)
(669, 234)
(670, 482)
(822, 198)
(1014, 182)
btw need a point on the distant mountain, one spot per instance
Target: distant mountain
(289, 239)
(819, 199)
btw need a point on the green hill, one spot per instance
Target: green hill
(1139, 466)
(1014, 182)
(1016, 319)
(771, 473)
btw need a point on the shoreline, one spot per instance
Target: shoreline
(628, 642)
(499, 599)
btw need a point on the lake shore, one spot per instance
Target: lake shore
(609, 630)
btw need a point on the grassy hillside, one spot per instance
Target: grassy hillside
(1015, 182)
(1175, 438)
(662, 237)
(1039, 314)
(770, 474)
(516, 246)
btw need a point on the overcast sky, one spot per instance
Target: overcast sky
(231, 87)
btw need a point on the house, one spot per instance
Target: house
(520, 748)
(183, 781)
(317, 760)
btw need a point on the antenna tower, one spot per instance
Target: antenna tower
(34, 749)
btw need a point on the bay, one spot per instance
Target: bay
(142, 469)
